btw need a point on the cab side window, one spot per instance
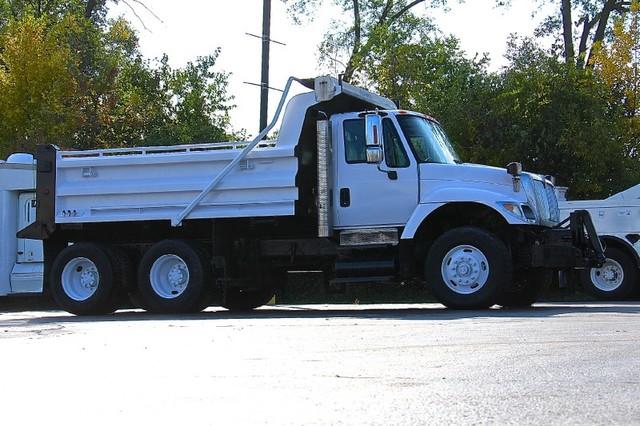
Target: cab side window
(394, 153)
(355, 145)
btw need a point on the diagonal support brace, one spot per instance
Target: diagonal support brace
(176, 221)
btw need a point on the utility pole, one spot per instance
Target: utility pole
(264, 78)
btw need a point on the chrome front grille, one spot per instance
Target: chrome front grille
(546, 201)
(552, 198)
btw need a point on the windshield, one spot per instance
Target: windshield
(428, 141)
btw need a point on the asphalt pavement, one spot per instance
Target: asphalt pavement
(566, 363)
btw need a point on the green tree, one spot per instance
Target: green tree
(581, 23)
(433, 76)
(171, 106)
(618, 64)
(71, 77)
(556, 120)
(369, 23)
(37, 91)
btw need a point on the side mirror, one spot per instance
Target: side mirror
(373, 135)
(514, 169)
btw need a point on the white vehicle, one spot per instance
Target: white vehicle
(21, 260)
(617, 222)
(352, 187)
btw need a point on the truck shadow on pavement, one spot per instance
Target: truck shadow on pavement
(431, 312)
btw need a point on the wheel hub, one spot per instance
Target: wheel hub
(177, 277)
(608, 277)
(465, 269)
(169, 276)
(610, 274)
(80, 278)
(89, 279)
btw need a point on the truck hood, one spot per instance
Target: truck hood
(465, 173)
(491, 186)
(442, 183)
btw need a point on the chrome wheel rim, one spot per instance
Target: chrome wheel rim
(169, 276)
(608, 277)
(465, 269)
(80, 279)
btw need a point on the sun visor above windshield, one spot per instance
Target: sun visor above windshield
(326, 88)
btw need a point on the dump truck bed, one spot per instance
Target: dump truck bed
(156, 183)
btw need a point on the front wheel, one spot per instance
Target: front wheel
(616, 279)
(467, 268)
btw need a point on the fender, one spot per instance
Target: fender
(442, 197)
(627, 246)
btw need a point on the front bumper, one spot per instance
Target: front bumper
(573, 244)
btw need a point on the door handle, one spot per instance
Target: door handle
(345, 197)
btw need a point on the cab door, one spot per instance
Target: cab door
(29, 251)
(372, 195)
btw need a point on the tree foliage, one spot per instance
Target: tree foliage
(555, 119)
(37, 92)
(370, 23)
(70, 76)
(618, 64)
(581, 26)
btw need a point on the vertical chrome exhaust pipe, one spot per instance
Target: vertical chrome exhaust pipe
(323, 201)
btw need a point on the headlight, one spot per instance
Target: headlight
(520, 210)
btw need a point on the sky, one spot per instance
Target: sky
(192, 28)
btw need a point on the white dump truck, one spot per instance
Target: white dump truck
(353, 188)
(617, 222)
(21, 260)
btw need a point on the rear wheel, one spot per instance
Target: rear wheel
(174, 276)
(85, 280)
(467, 268)
(616, 279)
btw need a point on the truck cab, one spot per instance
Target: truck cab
(419, 171)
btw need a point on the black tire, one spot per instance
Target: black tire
(527, 287)
(236, 299)
(69, 293)
(193, 291)
(497, 269)
(616, 259)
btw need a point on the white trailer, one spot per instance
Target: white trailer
(617, 222)
(352, 187)
(21, 260)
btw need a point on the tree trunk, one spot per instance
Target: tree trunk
(357, 39)
(567, 31)
(588, 25)
(598, 38)
(88, 10)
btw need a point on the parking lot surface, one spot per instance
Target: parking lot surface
(324, 364)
